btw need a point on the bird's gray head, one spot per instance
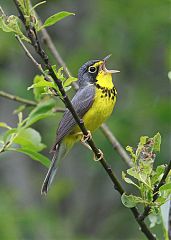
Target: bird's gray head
(88, 72)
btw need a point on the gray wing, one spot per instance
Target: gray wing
(82, 101)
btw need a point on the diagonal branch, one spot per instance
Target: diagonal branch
(17, 99)
(155, 192)
(35, 43)
(115, 143)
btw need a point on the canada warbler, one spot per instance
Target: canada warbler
(94, 102)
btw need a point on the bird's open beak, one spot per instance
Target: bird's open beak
(103, 66)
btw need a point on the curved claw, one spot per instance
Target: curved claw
(87, 137)
(101, 155)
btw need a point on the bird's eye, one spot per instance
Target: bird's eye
(92, 69)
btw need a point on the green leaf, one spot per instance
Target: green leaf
(43, 83)
(157, 142)
(161, 200)
(8, 134)
(131, 151)
(165, 187)
(128, 180)
(55, 18)
(11, 24)
(157, 174)
(4, 125)
(69, 81)
(143, 139)
(38, 90)
(42, 110)
(29, 138)
(34, 155)
(132, 172)
(59, 73)
(130, 201)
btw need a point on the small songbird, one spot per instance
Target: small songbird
(94, 102)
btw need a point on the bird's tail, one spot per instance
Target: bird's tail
(51, 171)
(60, 151)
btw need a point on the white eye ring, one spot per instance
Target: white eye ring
(92, 69)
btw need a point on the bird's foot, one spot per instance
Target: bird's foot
(87, 137)
(100, 156)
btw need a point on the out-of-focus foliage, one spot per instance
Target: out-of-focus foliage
(145, 178)
(81, 204)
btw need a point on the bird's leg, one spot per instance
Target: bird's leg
(85, 138)
(101, 155)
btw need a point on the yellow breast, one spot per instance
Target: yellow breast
(102, 107)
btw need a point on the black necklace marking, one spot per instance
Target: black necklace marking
(106, 92)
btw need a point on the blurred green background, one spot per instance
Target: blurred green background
(82, 204)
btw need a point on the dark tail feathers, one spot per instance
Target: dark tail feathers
(51, 172)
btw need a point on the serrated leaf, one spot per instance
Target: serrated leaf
(157, 142)
(4, 125)
(35, 156)
(130, 201)
(55, 18)
(42, 110)
(69, 81)
(29, 138)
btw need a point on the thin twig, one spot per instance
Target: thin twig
(17, 99)
(36, 44)
(38, 65)
(155, 191)
(47, 40)
(116, 145)
(58, 110)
